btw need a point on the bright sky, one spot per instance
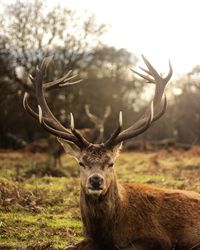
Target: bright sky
(159, 29)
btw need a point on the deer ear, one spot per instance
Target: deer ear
(116, 150)
(70, 148)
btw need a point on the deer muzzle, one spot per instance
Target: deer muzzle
(95, 184)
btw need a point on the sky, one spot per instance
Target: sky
(159, 29)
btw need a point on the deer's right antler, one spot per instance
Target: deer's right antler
(44, 115)
(152, 113)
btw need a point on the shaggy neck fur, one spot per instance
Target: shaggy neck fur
(100, 215)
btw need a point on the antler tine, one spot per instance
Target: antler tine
(160, 81)
(45, 64)
(169, 75)
(43, 120)
(62, 82)
(151, 69)
(30, 110)
(57, 133)
(148, 118)
(38, 82)
(128, 134)
(76, 132)
(145, 70)
(149, 80)
(45, 116)
(92, 117)
(27, 107)
(141, 122)
(110, 141)
(87, 110)
(107, 112)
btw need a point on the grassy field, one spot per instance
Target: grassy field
(38, 211)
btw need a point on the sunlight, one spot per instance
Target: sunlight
(160, 30)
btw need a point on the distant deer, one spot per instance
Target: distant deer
(94, 134)
(128, 216)
(97, 132)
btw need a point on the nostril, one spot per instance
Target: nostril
(96, 181)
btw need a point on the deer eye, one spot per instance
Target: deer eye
(111, 164)
(81, 164)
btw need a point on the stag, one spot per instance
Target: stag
(97, 132)
(123, 216)
(94, 134)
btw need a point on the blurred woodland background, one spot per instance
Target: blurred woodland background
(29, 32)
(39, 200)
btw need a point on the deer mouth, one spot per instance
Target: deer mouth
(96, 191)
(95, 188)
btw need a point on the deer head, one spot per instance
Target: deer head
(98, 122)
(96, 160)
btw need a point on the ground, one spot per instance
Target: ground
(38, 211)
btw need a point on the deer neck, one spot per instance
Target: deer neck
(99, 214)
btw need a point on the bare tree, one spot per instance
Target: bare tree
(29, 31)
(35, 31)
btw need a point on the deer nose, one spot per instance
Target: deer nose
(96, 181)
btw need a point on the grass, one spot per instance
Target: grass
(42, 212)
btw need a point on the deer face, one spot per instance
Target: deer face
(96, 167)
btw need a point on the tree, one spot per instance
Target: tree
(182, 119)
(31, 31)
(187, 108)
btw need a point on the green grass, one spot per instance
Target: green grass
(43, 212)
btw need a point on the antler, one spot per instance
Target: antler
(98, 122)
(152, 114)
(59, 83)
(92, 117)
(107, 112)
(95, 119)
(44, 115)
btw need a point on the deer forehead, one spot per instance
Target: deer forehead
(96, 155)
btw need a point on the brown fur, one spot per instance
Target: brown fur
(160, 217)
(135, 216)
